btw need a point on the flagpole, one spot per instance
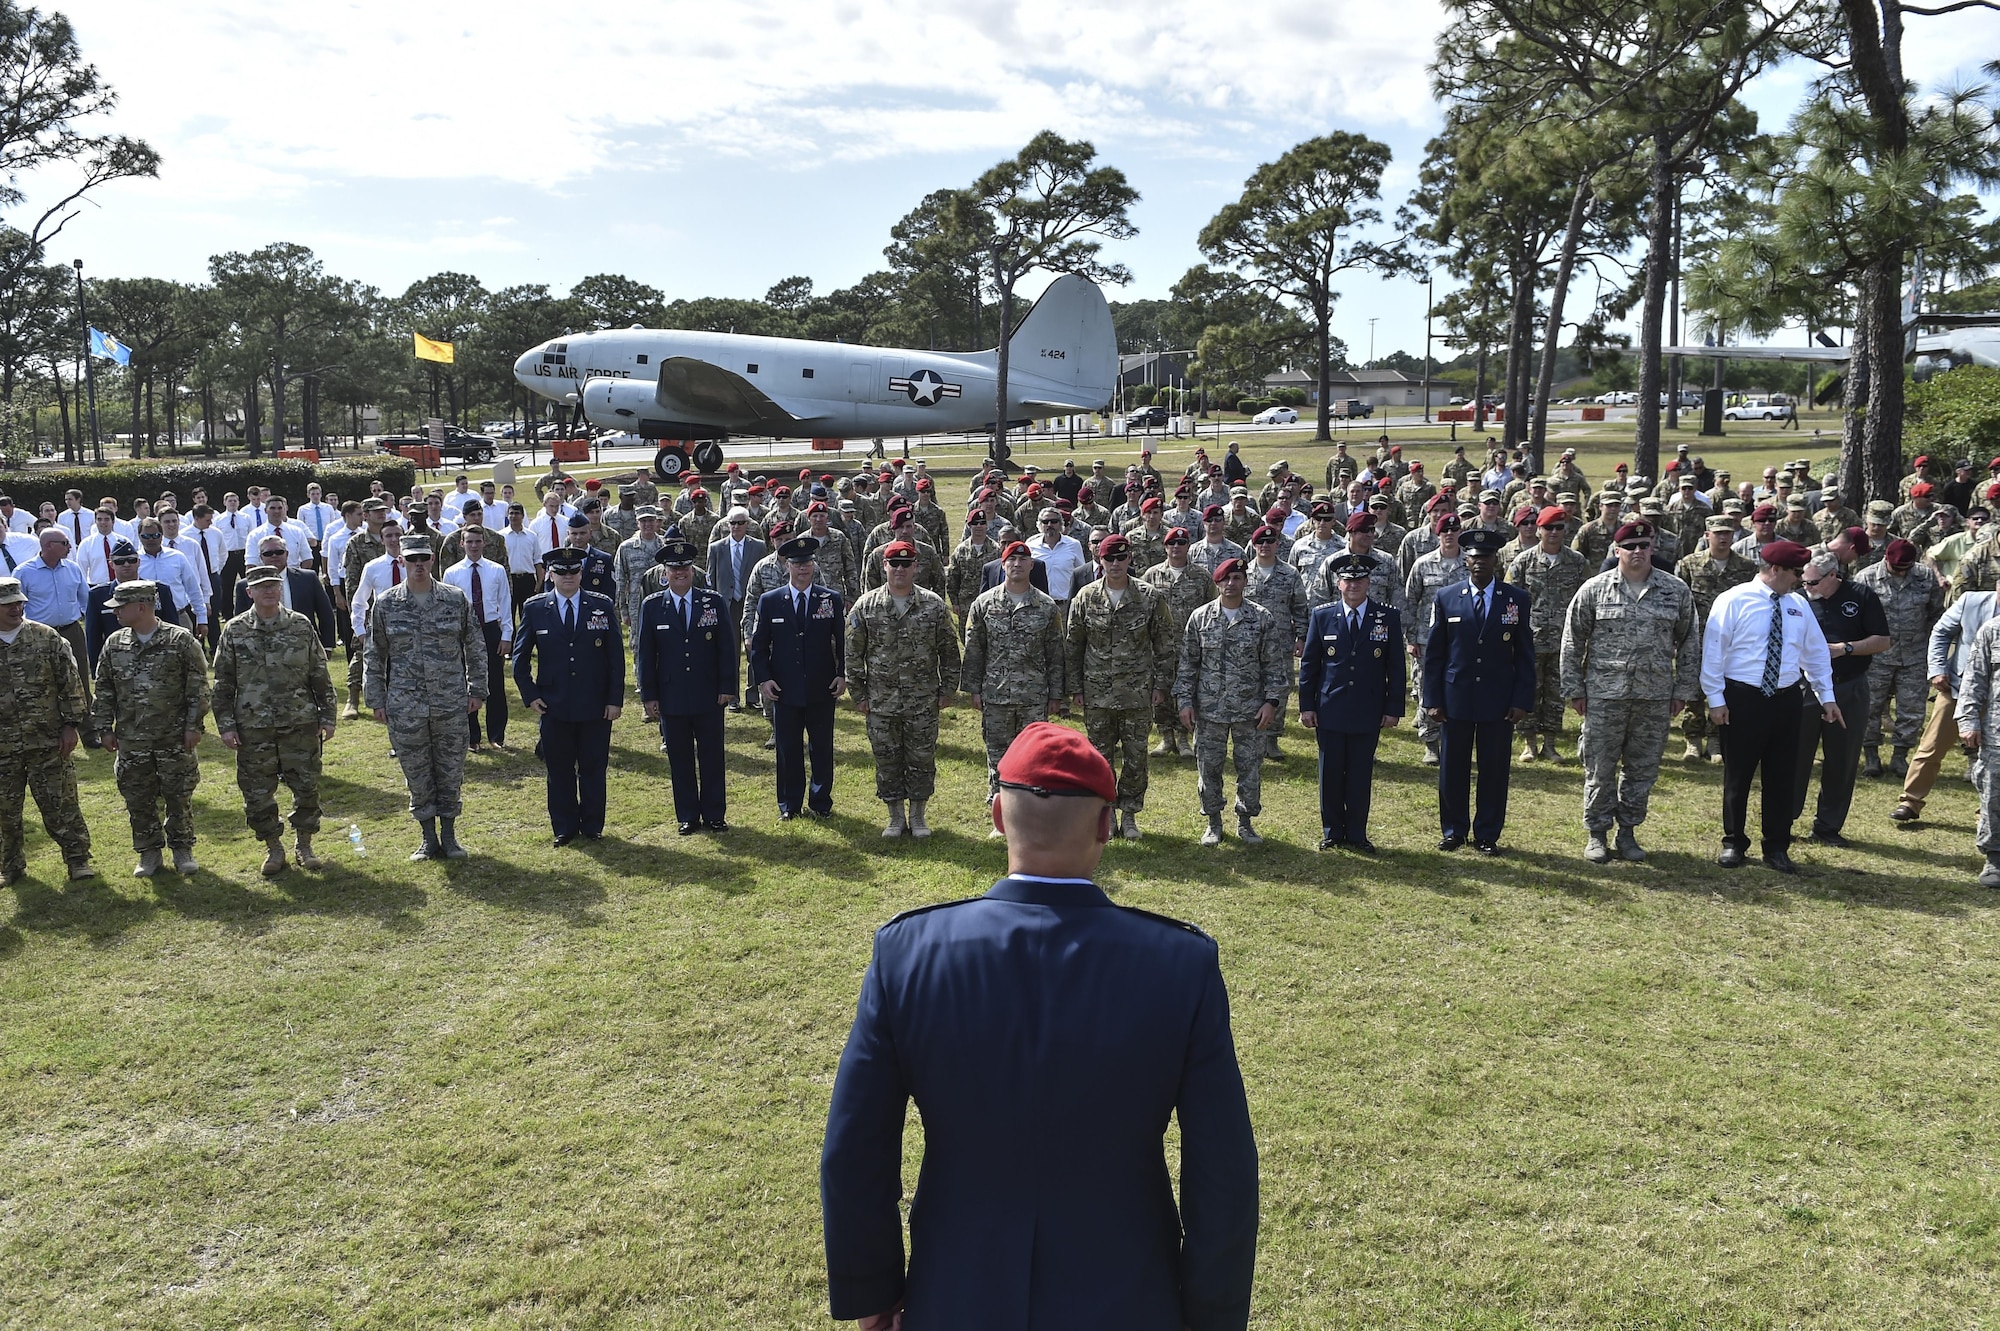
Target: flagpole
(89, 375)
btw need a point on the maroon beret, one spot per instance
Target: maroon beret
(899, 550)
(1633, 531)
(1266, 530)
(1113, 545)
(1047, 759)
(1446, 522)
(1859, 539)
(1227, 567)
(1900, 551)
(1361, 520)
(1785, 554)
(1764, 513)
(1016, 546)
(1213, 513)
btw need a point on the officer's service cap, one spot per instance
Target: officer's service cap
(578, 522)
(799, 550)
(263, 573)
(123, 550)
(10, 591)
(566, 560)
(1350, 567)
(1482, 541)
(421, 545)
(135, 592)
(677, 553)
(1047, 759)
(1721, 522)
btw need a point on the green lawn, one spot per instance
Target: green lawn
(586, 1088)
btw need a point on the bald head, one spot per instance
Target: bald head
(1056, 836)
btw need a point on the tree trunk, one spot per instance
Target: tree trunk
(253, 429)
(138, 397)
(277, 403)
(1545, 381)
(208, 419)
(1520, 344)
(1000, 364)
(1659, 255)
(62, 409)
(1854, 406)
(1323, 354)
(1882, 422)
(152, 430)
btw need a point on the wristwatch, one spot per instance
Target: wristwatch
(1847, 649)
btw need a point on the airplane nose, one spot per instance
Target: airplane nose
(524, 368)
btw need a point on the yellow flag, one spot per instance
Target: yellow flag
(430, 350)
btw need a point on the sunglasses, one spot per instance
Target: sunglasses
(1266, 540)
(1115, 559)
(902, 563)
(1636, 545)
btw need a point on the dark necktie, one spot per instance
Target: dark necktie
(478, 601)
(1774, 644)
(7, 553)
(681, 604)
(1479, 611)
(800, 600)
(569, 616)
(202, 536)
(395, 573)
(1354, 622)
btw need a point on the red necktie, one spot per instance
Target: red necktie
(555, 542)
(478, 602)
(395, 573)
(108, 573)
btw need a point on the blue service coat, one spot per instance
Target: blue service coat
(1479, 675)
(802, 658)
(1046, 1035)
(685, 672)
(577, 675)
(100, 617)
(597, 575)
(1353, 682)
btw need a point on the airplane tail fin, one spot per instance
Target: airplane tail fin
(1064, 353)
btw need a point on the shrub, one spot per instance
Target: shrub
(1955, 414)
(1288, 397)
(348, 479)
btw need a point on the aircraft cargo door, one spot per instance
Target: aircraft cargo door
(861, 381)
(892, 368)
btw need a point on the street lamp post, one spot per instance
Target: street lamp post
(1429, 278)
(1371, 341)
(89, 374)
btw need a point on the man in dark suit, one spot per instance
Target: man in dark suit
(994, 572)
(1047, 1036)
(578, 690)
(1351, 687)
(302, 592)
(1479, 679)
(685, 645)
(100, 617)
(798, 649)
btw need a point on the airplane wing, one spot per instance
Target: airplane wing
(701, 390)
(1836, 355)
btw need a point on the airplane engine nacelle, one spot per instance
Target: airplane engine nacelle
(620, 404)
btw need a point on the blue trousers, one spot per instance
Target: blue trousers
(1492, 741)
(694, 757)
(1346, 782)
(797, 728)
(576, 754)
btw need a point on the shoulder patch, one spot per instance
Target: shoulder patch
(1166, 919)
(935, 905)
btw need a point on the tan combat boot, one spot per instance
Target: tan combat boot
(274, 857)
(306, 858)
(918, 827)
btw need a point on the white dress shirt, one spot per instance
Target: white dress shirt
(378, 575)
(298, 541)
(334, 551)
(235, 527)
(177, 571)
(21, 521)
(218, 549)
(20, 549)
(1063, 560)
(191, 549)
(551, 532)
(1739, 625)
(318, 520)
(495, 515)
(496, 599)
(79, 524)
(524, 550)
(93, 557)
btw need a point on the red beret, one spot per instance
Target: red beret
(899, 550)
(1150, 505)
(1555, 515)
(1013, 547)
(733, 467)
(1361, 520)
(1900, 551)
(1385, 482)
(1035, 490)
(923, 484)
(816, 506)
(1415, 466)
(1395, 448)
(1047, 759)
(779, 531)
(1113, 545)
(896, 502)
(593, 484)
(1445, 522)
(1764, 513)
(697, 493)
(805, 473)
(896, 462)
(1633, 531)
(1859, 539)
(825, 477)
(975, 515)
(1274, 514)
(1213, 513)
(1226, 568)
(1785, 554)
(1526, 513)
(1922, 490)
(1266, 530)
(1921, 460)
(755, 489)
(1087, 495)
(1064, 506)
(781, 492)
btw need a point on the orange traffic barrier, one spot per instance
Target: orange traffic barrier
(1455, 414)
(299, 455)
(570, 450)
(828, 445)
(426, 456)
(1593, 413)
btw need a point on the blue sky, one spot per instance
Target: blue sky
(713, 148)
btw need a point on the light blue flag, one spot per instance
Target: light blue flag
(106, 347)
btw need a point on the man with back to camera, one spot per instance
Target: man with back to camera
(993, 1012)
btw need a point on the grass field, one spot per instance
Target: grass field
(586, 1088)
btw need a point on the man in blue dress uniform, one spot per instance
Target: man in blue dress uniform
(686, 651)
(1046, 1035)
(1351, 687)
(596, 572)
(1479, 679)
(799, 650)
(569, 664)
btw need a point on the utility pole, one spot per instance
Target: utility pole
(1429, 278)
(89, 374)
(1371, 341)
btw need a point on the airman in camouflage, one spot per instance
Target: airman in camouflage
(962, 578)
(1122, 650)
(1631, 658)
(1913, 600)
(1432, 573)
(41, 691)
(1550, 574)
(424, 672)
(1234, 675)
(1978, 717)
(930, 564)
(902, 668)
(1593, 539)
(151, 694)
(364, 545)
(839, 561)
(274, 706)
(1184, 588)
(1013, 668)
(1276, 585)
(630, 562)
(1709, 572)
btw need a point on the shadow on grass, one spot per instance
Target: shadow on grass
(553, 885)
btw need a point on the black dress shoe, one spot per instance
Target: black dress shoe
(687, 829)
(565, 839)
(1328, 843)
(1831, 839)
(1364, 845)
(1487, 847)
(1730, 858)
(1781, 862)
(1452, 842)
(718, 826)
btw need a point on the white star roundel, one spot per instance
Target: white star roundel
(924, 387)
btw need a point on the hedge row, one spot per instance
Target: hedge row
(348, 479)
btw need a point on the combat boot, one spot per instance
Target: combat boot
(1594, 849)
(9, 877)
(448, 839)
(1431, 755)
(1899, 762)
(430, 850)
(896, 825)
(274, 857)
(350, 712)
(1183, 743)
(308, 860)
(918, 827)
(1871, 764)
(1549, 749)
(1246, 831)
(80, 870)
(1990, 875)
(184, 862)
(1128, 826)
(1272, 753)
(1694, 753)
(1213, 836)
(1528, 750)
(1629, 848)
(149, 864)
(1166, 748)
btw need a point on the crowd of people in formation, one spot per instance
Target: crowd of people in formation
(1175, 615)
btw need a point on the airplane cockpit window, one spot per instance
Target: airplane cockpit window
(642, 358)
(805, 374)
(751, 367)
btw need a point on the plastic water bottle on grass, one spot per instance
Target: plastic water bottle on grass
(354, 839)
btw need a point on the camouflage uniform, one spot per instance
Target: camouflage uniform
(697, 526)
(644, 493)
(1431, 574)
(1593, 540)
(42, 690)
(1282, 591)
(1309, 552)
(1628, 654)
(1979, 570)
(150, 695)
(1208, 557)
(1831, 522)
(1978, 708)
(1551, 583)
(930, 568)
(628, 571)
(1708, 577)
(361, 548)
(425, 656)
(272, 689)
(1118, 658)
(624, 522)
(1014, 662)
(967, 568)
(1184, 590)
(841, 561)
(1149, 549)
(1385, 584)
(1913, 604)
(932, 520)
(1227, 673)
(900, 662)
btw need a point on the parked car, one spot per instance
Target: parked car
(1147, 418)
(1275, 416)
(1354, 409)
(1460, 402)
(461, 444)
(1757, 411)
